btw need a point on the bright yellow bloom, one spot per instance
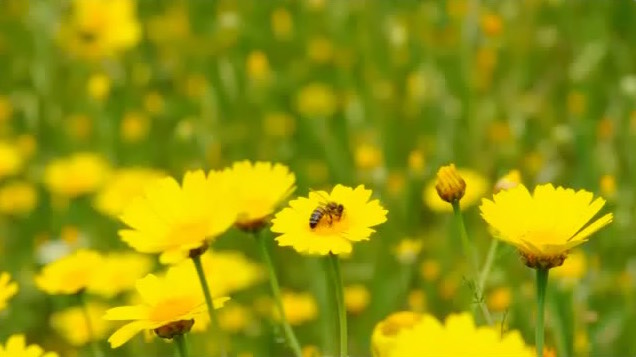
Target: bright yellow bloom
(70, 274)
(544, 226)
(16, 347)
(423, 335)
(334, 232)
(71, 324)
(258, 188)
(100, 28)
(76, 175)
(18, 198)
(10, 160)
(169, 299)
(8, 289)
(299, 308)
(118, 273)
(316, 100)
(357, 298)
(476, 188)
(122, 188)
(172, 220)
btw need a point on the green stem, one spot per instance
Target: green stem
(342, 311)
(208, 300)
(542, 284)
(89, 325)
(182, 346)
(273, 283)
(485, 270)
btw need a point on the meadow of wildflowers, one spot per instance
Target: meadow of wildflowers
(317, 178)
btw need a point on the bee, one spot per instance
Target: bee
(330, 209)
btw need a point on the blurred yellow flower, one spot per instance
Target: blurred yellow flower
(168, 303)
(573, 269)
(257, 66)
(279, 125)
(27, 145)
(8, 289)
(134, 127)
(282, 24)
(407, 250)
(367, 156)
(424, 335)
(499, 299)
(386, 332)
(234, 318)
(491, 24)
(299, 308)
(171, 27)
(118, 273)
(258, 189)
(430, 269)
(69, 274)
(416, 301)
(6, 109)
(16, 347)
(124, 185)
(357, 298)
(98, 86)
(311, 351)
(18, 198)
(320, 50)
(171, 220)
(316, 100)
(607, 185)
(416, 161)
(100, 28)
(327, 223)
(76, 175)
(71, 324)
(476, 188)
(10, 160)
(544, 226)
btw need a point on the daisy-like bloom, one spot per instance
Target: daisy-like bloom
(357, 298)
(258, 189)
(544, 225)
(71, 324)
(76, 175)
(16, 347)
(8, 289)
(475, 187)
(170, 304)
(339, 219)
(122, 187)
(18, 198)
(172, 220)
(119, 273)
(299, 308)
(411, 334)
(70, 274)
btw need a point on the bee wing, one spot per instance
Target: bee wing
(322, 195)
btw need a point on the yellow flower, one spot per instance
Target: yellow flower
(385, 333)
(573, 268)
(499, 299)
(407, 250)
(257, 66)
(172, 220)
(134, 127)
(430, 269)
(10, 160)
(299, 308)
(100, 28)
(316, 100)
(18, 198)
(320, 50)
(491, 24)
(341, 218)
(16, 347)
(607, 185)
(424, 335)
(98, 86)
(166, 301)
(76, 175)
(357, 298)
(258, 188)
(8, 289)
(234, 318)
(450, 185)
(122, 188)
(71, 324)
(476, 188)
(279, 125)
(118, 273)
(368, 156)
(544, 226)
(508, 181)
(282, 24)
(70, 274)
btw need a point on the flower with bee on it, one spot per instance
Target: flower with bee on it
(324, 223)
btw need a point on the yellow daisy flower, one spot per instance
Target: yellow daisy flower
(71, 324)
(118, 273)
(123, 186)
(18, 198)
(16, 347)
(326, 223)
(258, 189)
(11, 160)
(70, 274)
(76, 175)
(357, 298)
(476, 187)
(299, 308)
(410, 334)
(8, 289)
(170, 305)
(172, 220)
(544, 225)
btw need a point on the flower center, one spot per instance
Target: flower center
(172, 309)
(329, 218)
(188, 233)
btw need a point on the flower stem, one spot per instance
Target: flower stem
(342, 312)
(542, 284)
(96, 351)
(485, 270)
(182, 346)
(273, 283)
(208, 300)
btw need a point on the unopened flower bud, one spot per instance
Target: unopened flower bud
(450, 185)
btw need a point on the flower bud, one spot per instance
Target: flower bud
(450, 185)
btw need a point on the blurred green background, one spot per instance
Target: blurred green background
(374, 92)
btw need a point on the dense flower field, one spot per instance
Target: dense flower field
(317, 178)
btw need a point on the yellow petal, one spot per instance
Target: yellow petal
(126, 332)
